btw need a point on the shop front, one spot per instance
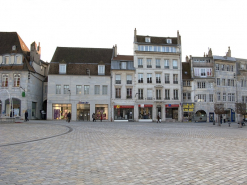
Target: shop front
(13, 108)
(124, 112)
(145, 112)
(229, 115)
(101, 110)
(83, 111)
(60, 111)
(188, 110)
(172, 111)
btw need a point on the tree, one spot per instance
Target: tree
(240, 108)
(219, 109)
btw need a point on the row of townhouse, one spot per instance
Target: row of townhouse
(210, 80)
(153, 81)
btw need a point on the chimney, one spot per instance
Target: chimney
(115, 50)
(187, 58)
(204, 54)
(228, 54)
(135, 39)
(210, 54)
(178, 38)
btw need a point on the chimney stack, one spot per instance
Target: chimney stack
(229, 53)
(135, 39)
(115, 50)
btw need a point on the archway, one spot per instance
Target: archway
(200, 116)
(15, 110)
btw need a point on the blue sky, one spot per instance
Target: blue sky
(214, 24)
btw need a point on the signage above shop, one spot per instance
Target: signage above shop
(81, 102)
(123, 106)
(145, 105)
(172, 105)
(188, 107)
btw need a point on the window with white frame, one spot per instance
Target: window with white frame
(149, 77)
(217, 68)
(101, 69)
(218, 96)
(169, 41)
(62, 68)
(184, 96)
(104, 90)
(58, 89)
(147, 39)
(232, 83)
(140, 94)
(96, 89)
(232, 68)
(140, 63)
(211, 98)
(6, 60)
(149, 63)
(227, 68)
(158, 94)
(140, 78)
(201, 98)
(175, 94)
(167, 78)
(222, 67)
(123, 65)
(218, 81)
(86, 89)
(129, 79)
(129, 93)
(118, 93)
(228, 82)
(149, 94)
(229, 96)
(210, 85)
(18, 59)
(78, 89)
(66, 89)
(158, 78)
(118, 79)
(5, 80)
(224, 97)
(201, 85)
(175, 64)
(166, 64)
(17, 78)
(175, 78)
(157, 61)
(189, 96)
(167, 94)
(202, 72)
(244, 99)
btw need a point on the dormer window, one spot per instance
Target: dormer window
(101, 69)
(13, 47)
(147, 39)
(18, 59)
(123, 65)
(62, 68)
(169, 41)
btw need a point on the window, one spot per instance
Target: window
(166, 64)
(129, 79)
(223, 82)
(218, 81)
(184, 83)
(140, 78)
(203, 72)
(218, 96)
(175, 78)
(78, 89)
(242, 66)
(129, 93)
(217, 68)
(211, 98)
(18, 59)
(149, 63)
(244, 99)
(211, 85)
(5, 80)
(227, 68)
(123, 65)
(140, 64)
(149, 78)
(140, 48)
(224, 96)
(6, 60)
(140, 94)
(189, 96)
(228, 82)
(58, 89)
(145, 48)
(222, 67)
(201, 85)
(184, 96)
(66, 89)
(158, 80)
(167, 78)
(201, 97)
(101, 69)
(96, 89)
(169, 41)
(232, 83)
(175, 94)
(157, 61)
(232, 68)
(118, 92)
(188, 83)
(149, 94)
(147, 39)
(229, 96)
(86, 89)
(104, 90)
(17, 78)
(233, 96)
(118, 79)
(62, 68)
(175, 64)
(167, 94)
(158, 94)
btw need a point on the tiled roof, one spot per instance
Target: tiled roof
(124, 57)
(8, 39)
(156, 40)
(80, 59)
(224, 58)
(186, 70)
(25, 67)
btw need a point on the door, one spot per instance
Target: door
(211, 117)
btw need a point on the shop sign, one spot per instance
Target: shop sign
(118, 106)
(81, 102)
(145, 105)
(188, 107)
(123, 106)
(171, 105)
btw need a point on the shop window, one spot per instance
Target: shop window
(60, 111)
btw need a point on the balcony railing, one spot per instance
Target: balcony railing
(128, 96)
(149, 80)
(175, 98)
(129, 81)
(167, 98)
(166, 67)
(175, 82)
(118, 96)
(149, 66)
(175, 67)
(149, 98)
(140, 66)
(157, 66)
(140, 81)
(140, 97)
(158, 98)
(118, 81)
(167, 82)
(158, 81)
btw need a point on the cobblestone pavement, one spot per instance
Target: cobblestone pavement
(133, 153)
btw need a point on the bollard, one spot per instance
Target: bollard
(229, 124)
(214, 122)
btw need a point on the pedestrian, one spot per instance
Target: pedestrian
(93, 116)
(158, 119)
(26, 116)
(101, 117)
(69, 116)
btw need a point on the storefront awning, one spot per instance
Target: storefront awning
(172, 105)
(124, 106)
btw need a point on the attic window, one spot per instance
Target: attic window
(14, 47)
(62, 68)
(169, 41)
(101, 69)
(147, 39)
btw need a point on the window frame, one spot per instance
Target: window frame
(101, 69)
(62, 68)
(17, 80)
